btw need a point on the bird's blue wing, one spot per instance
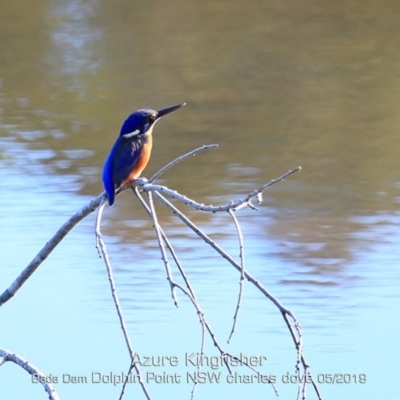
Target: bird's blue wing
(126, 157)
(108, 181)
(120, 163)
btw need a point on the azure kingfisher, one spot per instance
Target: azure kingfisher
(131, 152)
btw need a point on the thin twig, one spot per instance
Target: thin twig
(131, 366)
(103, 250)
(224, 355)
(162, 248)
(98, 223)
(202, 346)
(180, 158)
(241, 280)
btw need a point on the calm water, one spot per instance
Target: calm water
(276, 85)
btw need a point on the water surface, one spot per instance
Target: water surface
(276, 85)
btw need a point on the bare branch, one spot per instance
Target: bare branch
(232, 205)
(158, 192)
(216, 247)
(49, 247)
(190, 293)
(36, 373)
(294, 326)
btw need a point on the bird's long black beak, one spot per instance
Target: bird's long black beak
(168, 110)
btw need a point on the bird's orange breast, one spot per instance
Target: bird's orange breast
(142, 161)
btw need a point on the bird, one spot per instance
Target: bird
(131, 152)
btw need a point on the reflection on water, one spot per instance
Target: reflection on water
(74, 38)
(276, 85)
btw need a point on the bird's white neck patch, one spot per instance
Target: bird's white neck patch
(131, 134)
(150, 130)
(137, 131)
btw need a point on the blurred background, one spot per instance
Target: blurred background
(276, 85)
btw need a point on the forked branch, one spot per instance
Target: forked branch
(160, 193)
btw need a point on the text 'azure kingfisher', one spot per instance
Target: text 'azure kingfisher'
(131, 152)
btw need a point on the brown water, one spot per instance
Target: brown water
(275, 84)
